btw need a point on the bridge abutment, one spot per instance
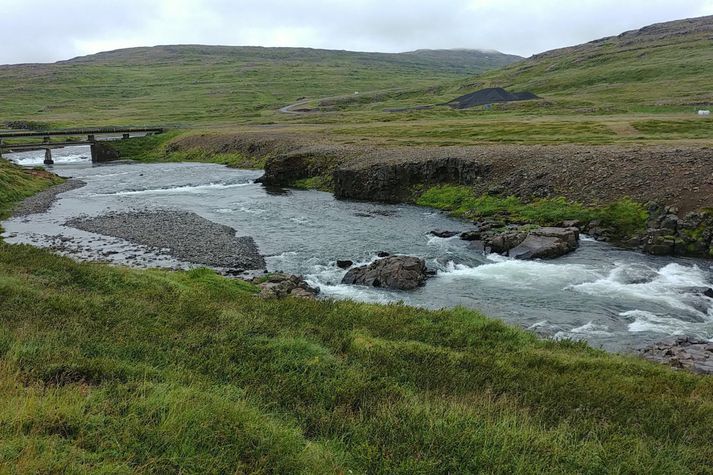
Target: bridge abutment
(48, 157)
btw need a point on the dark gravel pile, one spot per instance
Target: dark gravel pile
(42, 201)
(183, 235)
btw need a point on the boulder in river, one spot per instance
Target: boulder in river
(546, 243)
(344, 263)
(395, 272)
(443, 233)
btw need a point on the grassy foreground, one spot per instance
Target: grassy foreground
(112, 370)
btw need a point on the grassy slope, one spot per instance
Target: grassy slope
(112, 370)
(17, 183)
(180, 85)
(641, 86)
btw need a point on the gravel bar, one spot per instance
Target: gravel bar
(42, 201)
(182, 234)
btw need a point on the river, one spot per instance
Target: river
(613, 298)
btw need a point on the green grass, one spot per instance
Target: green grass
(321, 182)
(158, 148)
(625, 216)
(188, 85)
(17, 183)
(107, 369)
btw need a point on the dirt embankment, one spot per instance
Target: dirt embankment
(679, 176)
(675, 176)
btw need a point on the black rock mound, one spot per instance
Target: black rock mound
(489, 96)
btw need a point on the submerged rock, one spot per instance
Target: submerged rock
(395, 272)
(344, 264)
(442, 233)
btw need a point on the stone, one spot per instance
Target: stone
(708, 293)
(539, 247)
(344, 264)
(669, 222)
(279, 285)
(572, 223)
(394, 272)
(382, 254)
(442, 233)
(503, 242)
(569, 235)
(474, 235)
(685, 352)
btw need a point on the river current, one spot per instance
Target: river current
(613, 298)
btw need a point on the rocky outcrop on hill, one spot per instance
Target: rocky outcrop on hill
(394, 272)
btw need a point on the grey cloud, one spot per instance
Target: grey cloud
(44, 30)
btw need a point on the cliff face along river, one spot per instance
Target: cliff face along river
(613, 298)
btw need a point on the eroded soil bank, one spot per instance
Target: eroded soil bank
(674, 184)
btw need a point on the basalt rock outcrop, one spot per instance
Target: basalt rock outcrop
(395, 272)
(668, 234)
(394, 182)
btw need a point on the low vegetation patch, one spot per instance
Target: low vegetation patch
(320, 182)
(160, 148)
(625, 216)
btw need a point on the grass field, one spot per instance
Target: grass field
(189, 85)
(113, 370)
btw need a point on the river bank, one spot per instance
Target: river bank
(577, 182)
(610, 297)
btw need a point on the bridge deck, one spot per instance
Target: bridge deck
(95, 131)
(9, 148)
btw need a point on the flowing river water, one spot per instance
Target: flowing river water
(613, 298)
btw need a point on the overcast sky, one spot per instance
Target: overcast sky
(50, 30)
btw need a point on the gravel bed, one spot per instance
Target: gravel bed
(181, 234)
(43, 200)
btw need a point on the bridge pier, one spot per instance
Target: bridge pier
(48, 157)
(125, 136)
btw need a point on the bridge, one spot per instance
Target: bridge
(93, 135)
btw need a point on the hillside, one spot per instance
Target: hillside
(214, 84)
(662, 67)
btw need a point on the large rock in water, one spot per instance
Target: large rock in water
(395, 272)
(546, 243)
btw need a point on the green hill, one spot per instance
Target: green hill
(662, 67)
(214, 84)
